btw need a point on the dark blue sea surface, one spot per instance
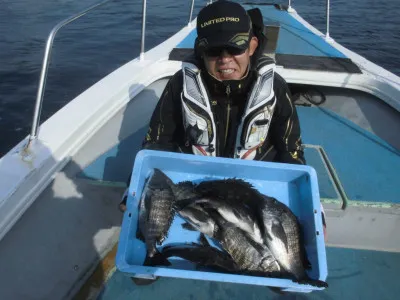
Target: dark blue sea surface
(109, 37)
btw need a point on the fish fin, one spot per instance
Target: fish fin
(314, 282)
(181, 204)
(156, 260)
(203, 240)
(187, 184)
(241, 182)
(207, 205)
(161, 177)
(188, 226)
(279, 232)
(160, 181)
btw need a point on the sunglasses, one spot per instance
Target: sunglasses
(217, 51)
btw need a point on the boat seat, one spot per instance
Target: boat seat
(271, 31)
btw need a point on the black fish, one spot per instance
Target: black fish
(203, 255)
(229, 198)
(235, 214)
(155, 215)
(279, 226)
(283, 238)
(250, 256)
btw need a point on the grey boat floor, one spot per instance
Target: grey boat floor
(353, 274)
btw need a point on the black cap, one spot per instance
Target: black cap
(223, 23)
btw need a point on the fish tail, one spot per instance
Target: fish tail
(161, 179)
(314, 282)
(277, 290)
(156, 260)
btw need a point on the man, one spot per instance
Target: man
(231, 103)
(213, 108)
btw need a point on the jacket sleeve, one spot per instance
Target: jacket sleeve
(166, 128)
(285, 127)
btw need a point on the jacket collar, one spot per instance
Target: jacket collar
(228, 87)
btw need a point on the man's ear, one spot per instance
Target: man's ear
(253, 45)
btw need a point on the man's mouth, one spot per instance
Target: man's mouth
(227, 71)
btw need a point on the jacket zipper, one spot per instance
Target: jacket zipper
(228, 110)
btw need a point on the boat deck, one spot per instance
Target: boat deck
(81, 204)
(294, 37)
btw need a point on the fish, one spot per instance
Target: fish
(235, 214)
(261, 234)
(280, 229)
(203, 255)
(156, 214)
(251, 257)
(227, 197)
(283, 236)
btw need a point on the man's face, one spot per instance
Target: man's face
(229, 66)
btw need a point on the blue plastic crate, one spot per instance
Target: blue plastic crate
(294, 185)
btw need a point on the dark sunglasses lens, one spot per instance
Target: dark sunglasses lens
(217, 51)
(213, 52)
(235, 51)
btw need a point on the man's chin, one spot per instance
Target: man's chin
(228, 76)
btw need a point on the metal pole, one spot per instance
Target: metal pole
(45, 67)
(143, 29)
(327, 37)
(290, 9)
(191, 13)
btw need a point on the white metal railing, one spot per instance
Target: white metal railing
(45, 67)
(327, 37)
(143, 30)
(290, 9)
(46, 59)
(191, 13)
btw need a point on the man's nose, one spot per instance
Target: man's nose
(225, 56)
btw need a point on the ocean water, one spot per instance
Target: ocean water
(109, 37)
